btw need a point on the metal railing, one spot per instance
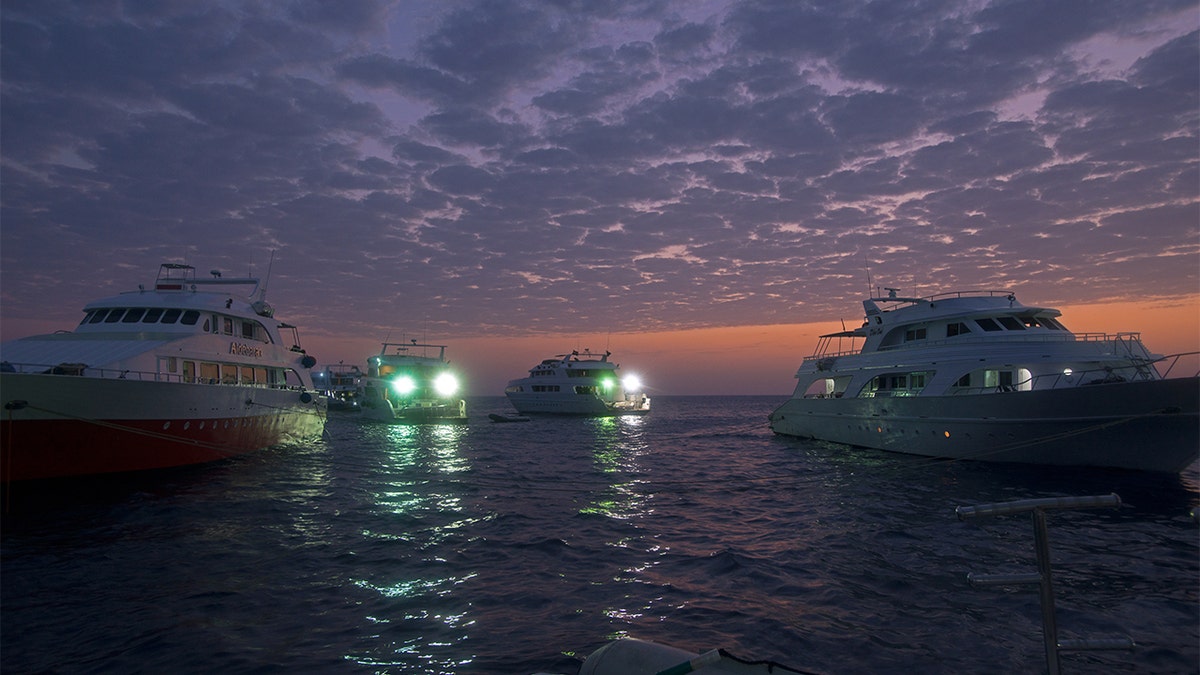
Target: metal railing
(1042, 578)
(82, 370)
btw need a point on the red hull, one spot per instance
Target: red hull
(35, 449)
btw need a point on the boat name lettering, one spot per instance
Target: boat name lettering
(245, 350)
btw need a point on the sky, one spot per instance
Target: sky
(700, 187)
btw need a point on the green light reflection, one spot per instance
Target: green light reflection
(417, 507)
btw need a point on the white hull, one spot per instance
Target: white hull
(1151, 426)
(572, 404)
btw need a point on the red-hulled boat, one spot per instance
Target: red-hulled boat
(182, 373)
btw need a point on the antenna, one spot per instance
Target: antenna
(263, 293)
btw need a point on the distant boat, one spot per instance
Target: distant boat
(181, 373)
(578, 384)
(507, 418)
(341, 385)
(405, 384)
(978, 375)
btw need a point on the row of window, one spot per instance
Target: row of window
(988, 325)
(142, 315)
(550, 388)
(203, 372)
(913, 383)
(227, 325)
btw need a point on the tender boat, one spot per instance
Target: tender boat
(184, 372)
(578, 384)
(340, 384)
(978, 375)
(408, 387)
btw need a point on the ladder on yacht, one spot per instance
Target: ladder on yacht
(1042, 578)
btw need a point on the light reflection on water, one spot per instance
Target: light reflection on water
(416, 509)
(508, 548)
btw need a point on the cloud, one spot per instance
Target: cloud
(512, 167)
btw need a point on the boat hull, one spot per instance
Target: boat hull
(55, 426)
(418, 412)
(1148, 426)
(590, 406)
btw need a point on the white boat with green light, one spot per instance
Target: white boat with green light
(579, 383)
(407, 383)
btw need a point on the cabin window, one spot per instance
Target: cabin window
(914, 334)
(827, 388)
(248, 330)
(171, 315)
(988, 325)
(964, 381)
(1030, 322)
(98, 316)
(953, 329)
(260, 375)
(114, 315)
(189, 371)
(210, 373)
(998, 379)
(1010, 323)
(152, 315)
(227, 325)
(1051, 324)
(229, 374)
(133, 315)
(247, 374)
(896, 384)
(190, 318)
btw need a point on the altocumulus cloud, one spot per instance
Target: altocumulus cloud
(508, 167)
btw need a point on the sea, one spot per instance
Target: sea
(523, 547)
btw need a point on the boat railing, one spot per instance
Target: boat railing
(1127, 344)
(83, 370)
(1043, 577)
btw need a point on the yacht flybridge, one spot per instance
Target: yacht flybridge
(978, 375)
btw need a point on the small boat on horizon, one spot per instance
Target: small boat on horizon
(185, 372)
(407, 387)
(341, 385)
(978, 375)
(578, 384)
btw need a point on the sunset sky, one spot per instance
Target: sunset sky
(701, 187)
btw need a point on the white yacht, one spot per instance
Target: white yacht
(187, 371)
(406, 383)
(978, 375)
(578, 384)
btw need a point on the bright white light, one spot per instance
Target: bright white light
(1067, 372)
(403, 385)
(631, 383)
(446, 384)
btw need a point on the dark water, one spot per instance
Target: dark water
(516, 548)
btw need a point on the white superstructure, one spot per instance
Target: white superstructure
(978, 375)
(578, 384)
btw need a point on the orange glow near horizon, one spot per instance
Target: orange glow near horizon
(743, 360)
